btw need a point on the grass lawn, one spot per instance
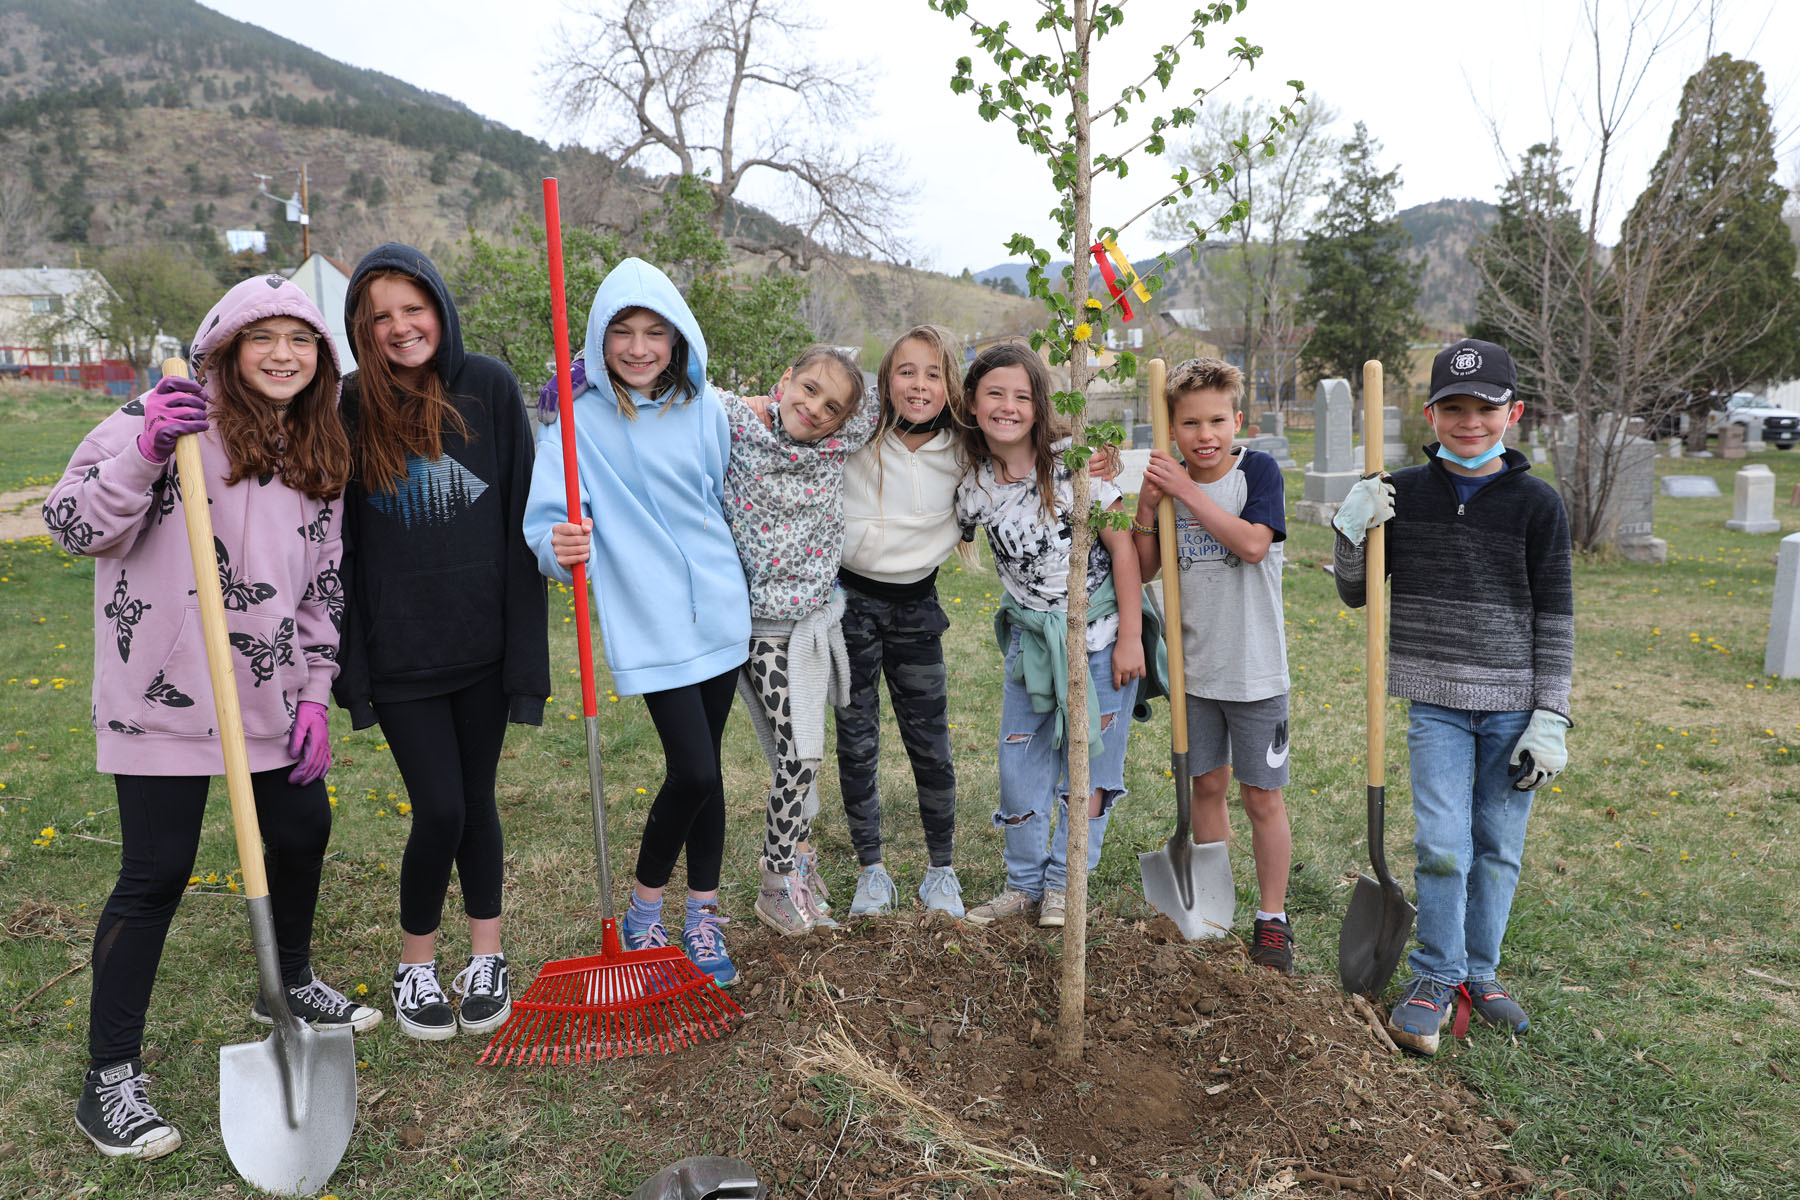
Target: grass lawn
(1653, 938)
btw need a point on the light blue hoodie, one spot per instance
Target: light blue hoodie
(674, 608)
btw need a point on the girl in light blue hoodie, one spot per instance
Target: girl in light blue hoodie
(652, 441)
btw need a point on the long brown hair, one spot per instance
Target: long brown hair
(674, 377)
(310, 451)
(1043, 433)
(940, 340)
(395, 418)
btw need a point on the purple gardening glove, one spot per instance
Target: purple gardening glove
(174, 407)
(547, 407)
(310, 743)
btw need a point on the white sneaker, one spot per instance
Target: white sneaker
(941, 891)
(876, 894)
(1007, 904)
(1055, 909)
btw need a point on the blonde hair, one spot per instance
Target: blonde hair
(673, 378)
(846, 366)
(1204, 375)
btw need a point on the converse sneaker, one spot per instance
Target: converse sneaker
(806, 882)
(1007, 904)
(1272, 946)
(941, 891)
(420, 1004)
(815, 882)
(1054, 911)
(321, 1006)
(779, 904)
(705, 946)
(486, 996)
(117, 1117)
(1420, 1015)
(1492, 1004)
(876, 894)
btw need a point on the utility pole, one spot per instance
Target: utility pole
(305, 219)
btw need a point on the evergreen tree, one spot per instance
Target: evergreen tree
(1360, 287)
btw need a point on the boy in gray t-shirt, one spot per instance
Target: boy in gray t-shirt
(1230, 524)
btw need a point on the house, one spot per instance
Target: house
(328, 284)
(31, 297)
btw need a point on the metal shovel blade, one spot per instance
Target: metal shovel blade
(286, 1130)
(702, 1179)
(1376, 926)
(1191, 885)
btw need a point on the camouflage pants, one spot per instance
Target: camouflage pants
(904, 642)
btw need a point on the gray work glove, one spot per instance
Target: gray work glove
(1370, 503)
(1540, 755)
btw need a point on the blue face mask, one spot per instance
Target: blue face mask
(1486, 456)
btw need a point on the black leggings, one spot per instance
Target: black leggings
(448, 750)
(689, 810)
(159, 824)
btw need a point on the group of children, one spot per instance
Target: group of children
(389, 547)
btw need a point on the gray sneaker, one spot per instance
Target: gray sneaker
(1007, 904)
(1419, 1017)
(876, 894)
(1054, 911)
(941, 891)
(1494, 1006)
(779, 904)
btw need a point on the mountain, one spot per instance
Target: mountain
(1442, 232)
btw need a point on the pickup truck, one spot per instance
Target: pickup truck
(1780, 427)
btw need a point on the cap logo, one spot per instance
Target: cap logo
(1465, 362)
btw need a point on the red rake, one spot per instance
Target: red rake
(615, 1003)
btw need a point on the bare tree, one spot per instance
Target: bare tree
(22, 220)
(1602, 333)
(729, 89)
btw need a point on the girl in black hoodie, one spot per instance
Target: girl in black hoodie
(445, 638)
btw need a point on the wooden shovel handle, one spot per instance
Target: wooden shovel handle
(1375, 585)
(192, 474)
(1171, 567)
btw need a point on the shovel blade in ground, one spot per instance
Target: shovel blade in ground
(1190, 884)
(702, 1179)
(1376, 927)
(287, 1131)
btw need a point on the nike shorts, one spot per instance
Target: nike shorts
(1251, 736)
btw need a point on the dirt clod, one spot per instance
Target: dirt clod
(800, 1117)
(411, 1137)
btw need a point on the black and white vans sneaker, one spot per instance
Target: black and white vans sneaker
(321, 1006)
(117, 1117)
(420, 1004)
(486, 996)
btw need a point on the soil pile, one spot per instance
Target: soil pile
(1202, 1075)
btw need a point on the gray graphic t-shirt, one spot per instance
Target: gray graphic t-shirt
(1233, 642)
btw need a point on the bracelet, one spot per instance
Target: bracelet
(1139, 527)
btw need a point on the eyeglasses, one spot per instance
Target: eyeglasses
(300, 343)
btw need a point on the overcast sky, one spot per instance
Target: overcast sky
(1432, 79)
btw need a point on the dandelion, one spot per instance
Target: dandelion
(643, 791)
(404, 808)
(231, 886)
(212, 877)
(1083, 332)
(362, 989)
(45, 836)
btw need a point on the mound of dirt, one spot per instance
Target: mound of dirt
(1202, 1075)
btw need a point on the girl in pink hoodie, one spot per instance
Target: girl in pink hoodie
(264, 402)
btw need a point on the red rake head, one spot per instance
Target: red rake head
(612, 1005)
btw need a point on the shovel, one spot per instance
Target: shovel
(1379, 919)
(1187, 883)
(286, 1103)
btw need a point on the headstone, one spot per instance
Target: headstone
(1635, 427)
(1275, 447)
(1143, 437)
(1334, 457)
(1782, 657)
(1676, 445)
(1753, 438)
(1731, 441)
(1273, 423)
(1628, 521)
(1130, 479)
(1753, 501)
(1393, 447)
(1689, 487)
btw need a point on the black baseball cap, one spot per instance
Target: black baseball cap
(1474, 368)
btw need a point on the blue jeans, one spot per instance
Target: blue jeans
(1034, 777)
(1470, 837)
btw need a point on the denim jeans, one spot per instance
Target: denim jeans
(1470, 837)
(1034, 777)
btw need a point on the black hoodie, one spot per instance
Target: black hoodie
(443, 589)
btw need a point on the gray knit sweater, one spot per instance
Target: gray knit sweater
(1483, 608)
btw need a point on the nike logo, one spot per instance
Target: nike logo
(1278, 749)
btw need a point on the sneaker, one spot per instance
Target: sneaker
(779, 904)
(117, 1117)
(1007, 904)
(1054, 911)
(1492, 1004)
(1272, 946)
(876, 894)
(321, 1006)
(815, 882)
(806, 890)
(941, 891)
(652, 938)
(486, 996)
(705, 946)
(420, 1004)
(1419, 1016)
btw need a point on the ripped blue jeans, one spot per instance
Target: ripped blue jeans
(1470, 837)
(1034, 780)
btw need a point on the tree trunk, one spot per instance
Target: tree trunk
(1071, 1017)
